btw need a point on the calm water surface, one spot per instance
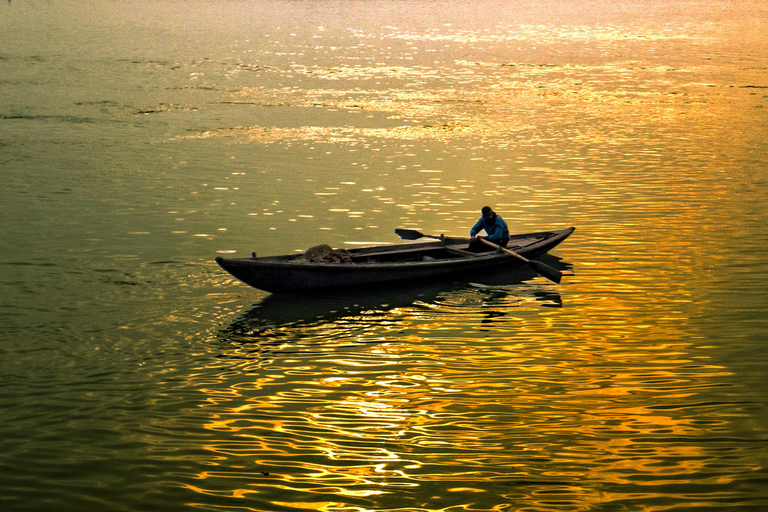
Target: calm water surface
(139, 140)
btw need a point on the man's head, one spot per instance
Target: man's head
(488, 214)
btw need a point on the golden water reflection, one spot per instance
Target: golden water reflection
(474, 397)
(501, 101)
(603, 393)
(637, 383)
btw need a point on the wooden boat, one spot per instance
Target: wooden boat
(447, 258)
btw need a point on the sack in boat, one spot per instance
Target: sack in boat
(324, 253)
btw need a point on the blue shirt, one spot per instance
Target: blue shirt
(495, 228)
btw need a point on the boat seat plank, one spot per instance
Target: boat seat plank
(460, 252)
(394, 252)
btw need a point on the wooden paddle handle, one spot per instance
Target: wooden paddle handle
(488, 242)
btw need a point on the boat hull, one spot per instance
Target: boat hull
(386, 264)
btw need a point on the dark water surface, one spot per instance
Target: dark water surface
(139, 140)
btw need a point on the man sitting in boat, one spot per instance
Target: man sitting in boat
(494, 227)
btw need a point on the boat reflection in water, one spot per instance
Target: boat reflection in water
(300, 323)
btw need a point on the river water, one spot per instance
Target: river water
(139, 140)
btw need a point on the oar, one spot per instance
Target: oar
(540, 268)
(412, 234)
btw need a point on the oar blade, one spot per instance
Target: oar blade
(550, 273)
(408, 234)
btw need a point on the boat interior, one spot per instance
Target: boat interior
(454, 249)
(425, 254)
